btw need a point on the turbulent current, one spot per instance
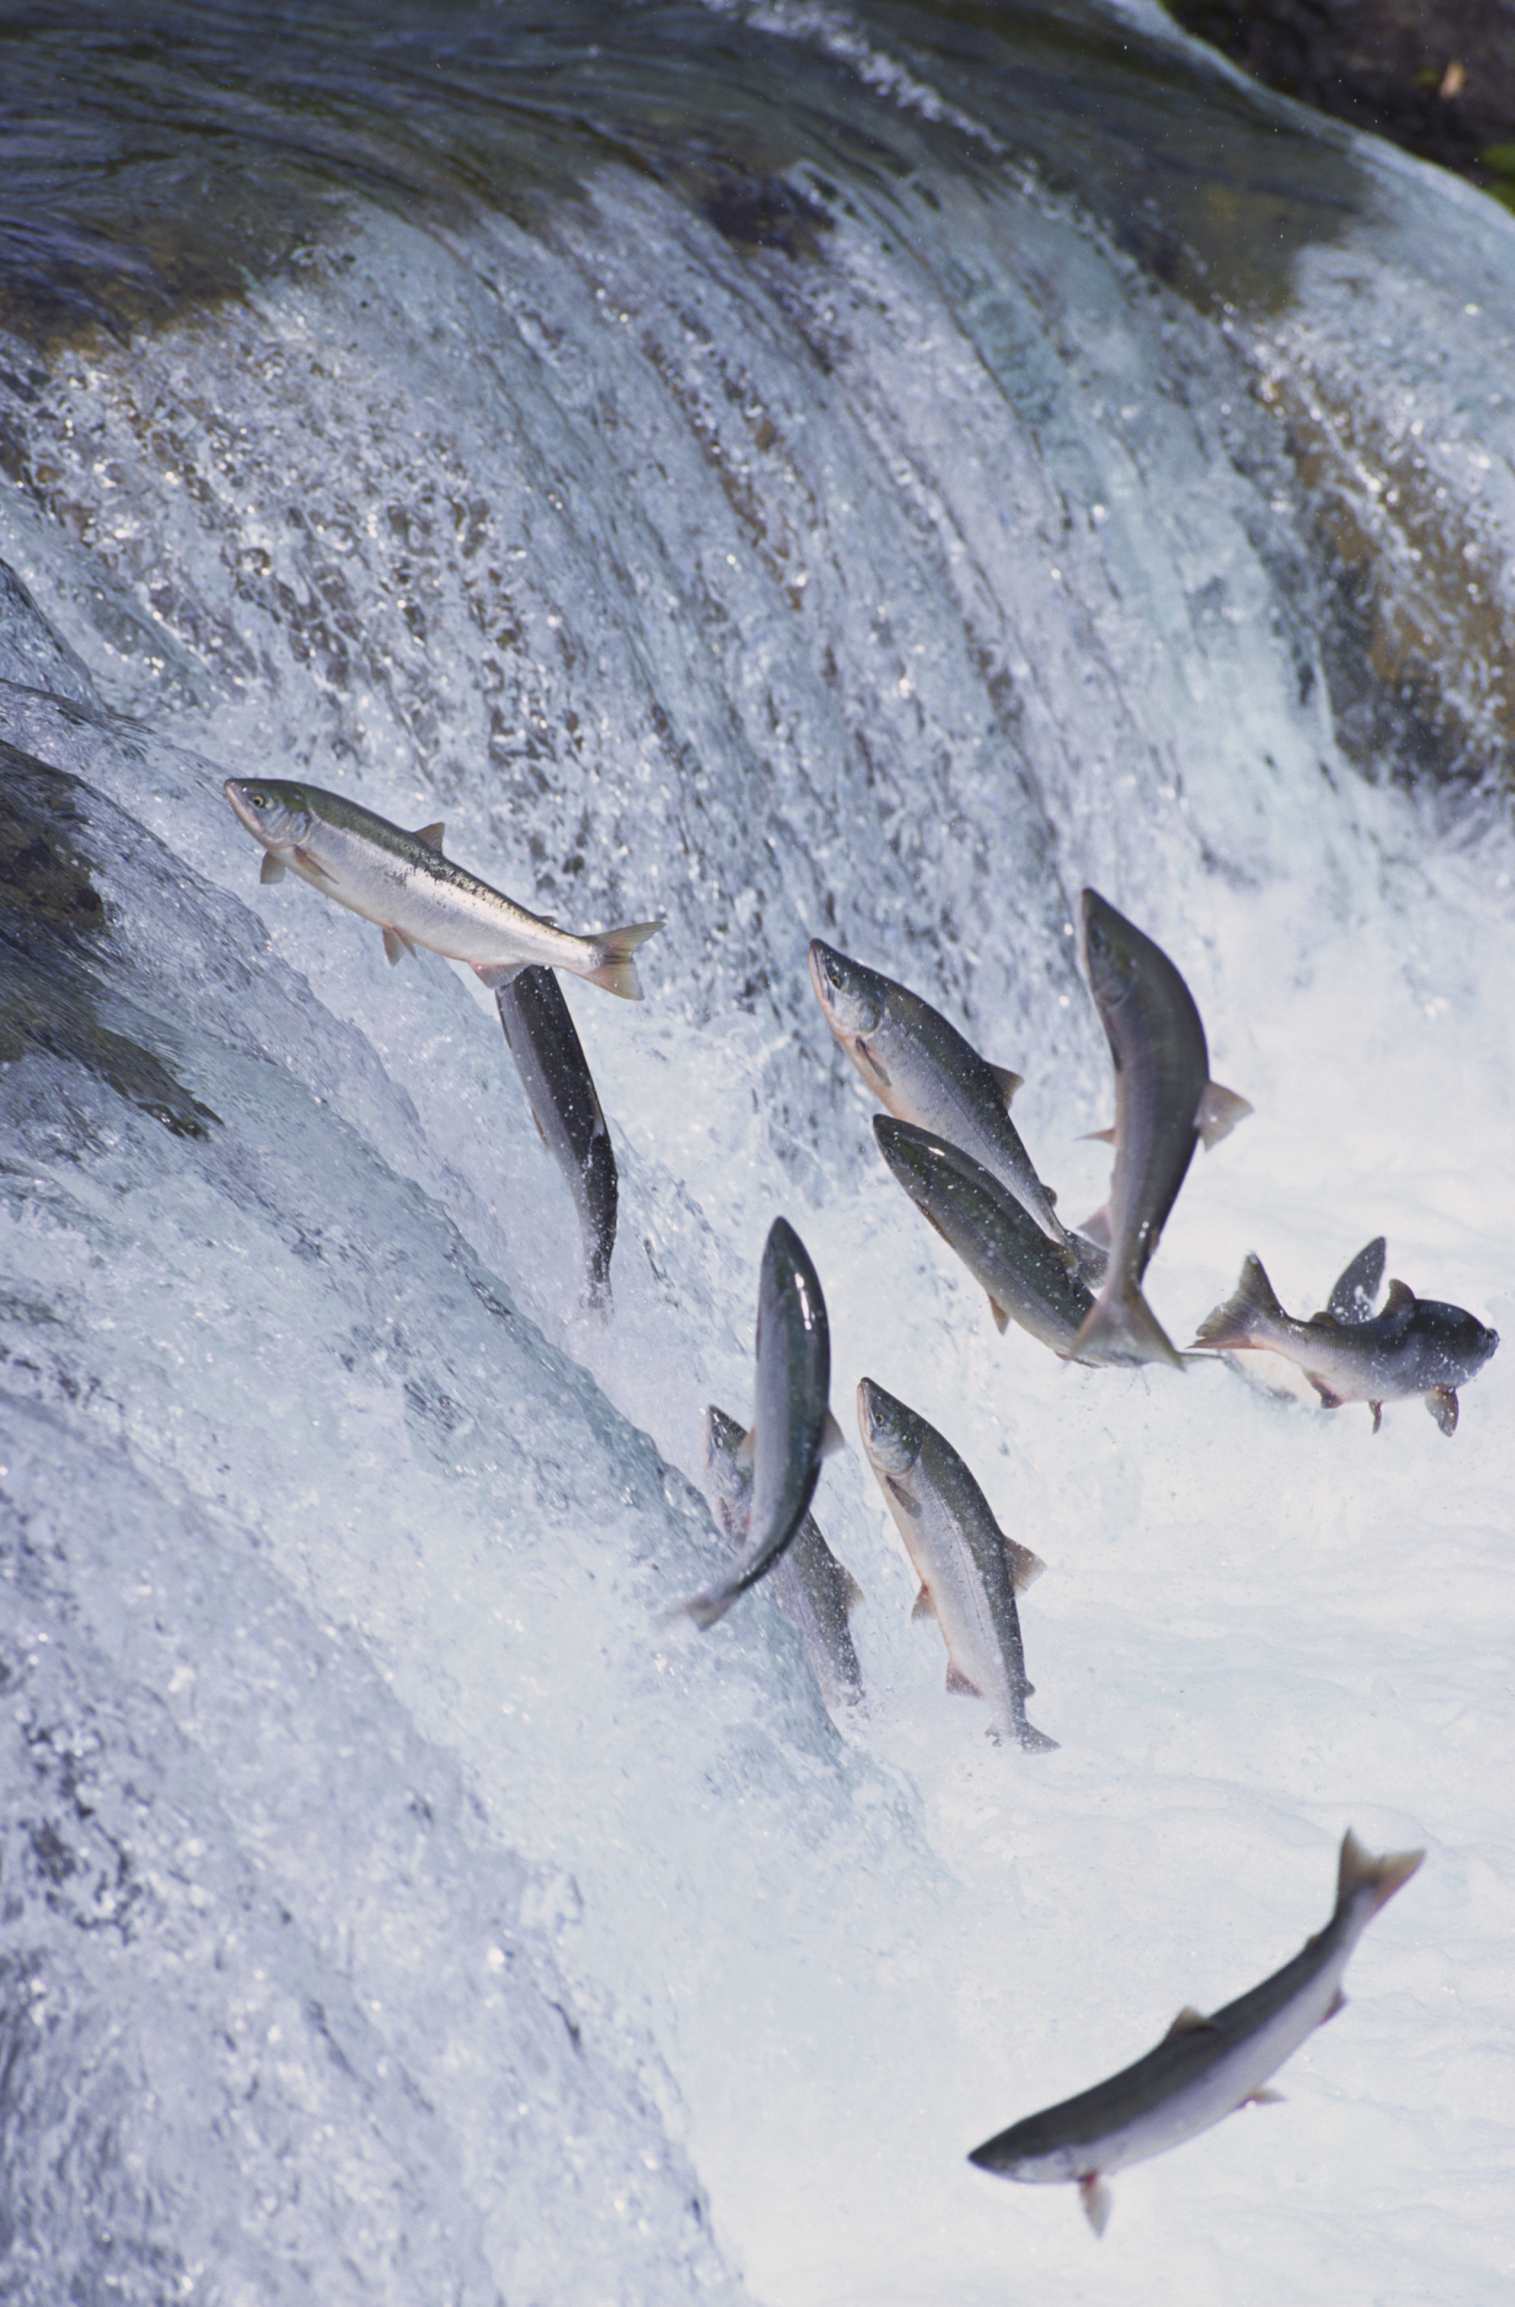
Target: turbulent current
(798, 468)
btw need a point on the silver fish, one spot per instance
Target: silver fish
(1025, 1275)
(1203, 2068)
(793, 1427)
(920, 1068)
(1415, 1346)
(968, 1569)
(1164, 1102)
(549, 1055)
(810, 1586)
(403, 882)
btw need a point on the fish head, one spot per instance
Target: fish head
(1112, 951)
(277, 814)
(892, 1433)
(728, 1477)
(851, 996)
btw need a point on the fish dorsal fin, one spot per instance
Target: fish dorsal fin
(1008, 1082)
(272, 868)
(742, 1453)
(431, 835)
(1399, 1305)
(924, 1606)
(1219, 1112)
(958, 1683)
(832, 1437)
(1357, 1284)
(1001, 1318)
(1025, 1567)
(1097, 1228)
(1188, 2022)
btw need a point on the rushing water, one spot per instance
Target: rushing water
(798, 468)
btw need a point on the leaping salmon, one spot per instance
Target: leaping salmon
(793, 1427)
(1165, 1102)
(1203, 2068)
(1415, 1346)
(416, 895)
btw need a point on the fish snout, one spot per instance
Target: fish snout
(266, 812)
(890, 1431)
(847, 993)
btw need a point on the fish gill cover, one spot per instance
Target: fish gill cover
(804, 470)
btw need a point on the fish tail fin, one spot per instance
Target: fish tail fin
(705, 1609)
(1251, 1302)
(614, 968)
(1359, 1871)
(1122, 1328)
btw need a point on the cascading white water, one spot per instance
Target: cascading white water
(858, 536)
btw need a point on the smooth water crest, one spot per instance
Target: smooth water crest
(798, 468)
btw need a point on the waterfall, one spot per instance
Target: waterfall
(797, 468)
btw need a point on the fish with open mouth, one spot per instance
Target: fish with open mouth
(1415, 1346)
(417, 896)
(1165, 1102)
(969, 1570)
(1204, 2068)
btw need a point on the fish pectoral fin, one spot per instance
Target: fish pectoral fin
(397, 945)
(1025, 1567)
(1188, 2022)
(1096, 2199)
(852, 1593)
(1007, 1081)
(309, 865)
(1219, 1112)
(1099, 1137)
(923, 1606)
(1263, 2098)
(1001, 1318)
(1377, 1410)
(1328, 1399)
(832, 1437)
(898, 1490)
(1441, 1401)
(272, 868)
(431, 834)
(958, 1683)
(494, 974)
